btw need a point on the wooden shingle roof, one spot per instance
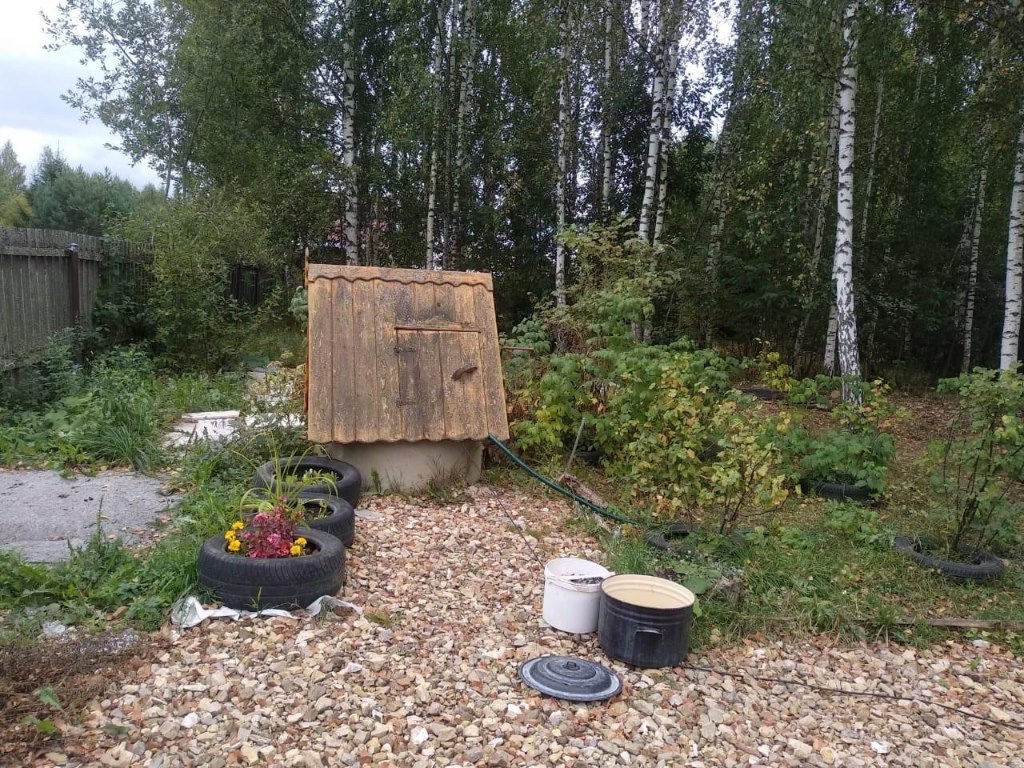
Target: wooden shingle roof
(402, 354)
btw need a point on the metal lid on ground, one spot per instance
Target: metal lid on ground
(570, 678)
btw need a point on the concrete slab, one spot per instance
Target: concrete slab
(41, 512)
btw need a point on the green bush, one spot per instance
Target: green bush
(978, 465)
(196, 241)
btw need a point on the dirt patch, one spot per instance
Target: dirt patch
(46, 683)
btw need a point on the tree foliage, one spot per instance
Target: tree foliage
(318, 111)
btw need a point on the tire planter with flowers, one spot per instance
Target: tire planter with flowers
(249, 583)
(347, 482)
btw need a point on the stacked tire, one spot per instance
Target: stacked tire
(247, 583)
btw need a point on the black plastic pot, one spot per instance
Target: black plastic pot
(976, 566)
(644, 621)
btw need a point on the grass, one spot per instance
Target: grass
(817, 566)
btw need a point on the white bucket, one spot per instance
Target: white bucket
(569, 606)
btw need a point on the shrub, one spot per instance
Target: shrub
(980, 459)
(196, 241)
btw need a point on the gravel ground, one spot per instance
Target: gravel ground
(429, 677)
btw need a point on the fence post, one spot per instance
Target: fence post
(74, 284)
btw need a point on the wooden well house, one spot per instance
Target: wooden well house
(404, 374)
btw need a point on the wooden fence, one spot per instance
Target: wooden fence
(50, 280)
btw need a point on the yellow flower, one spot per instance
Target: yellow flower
(238, 525)
(235, 545)
(296, 549)
(300, 541)
(229, 535)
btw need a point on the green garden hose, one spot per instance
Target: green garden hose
(564, 491)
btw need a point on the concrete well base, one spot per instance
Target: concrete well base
(412, 466)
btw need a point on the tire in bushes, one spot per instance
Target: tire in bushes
(348, 483)
(255, 583)
(340, 517)
(979, 566)
(672, 538)
(837, 491)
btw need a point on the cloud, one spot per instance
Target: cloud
(32, 81)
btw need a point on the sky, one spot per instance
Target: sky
(32, 114)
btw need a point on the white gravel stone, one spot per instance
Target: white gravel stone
(429, 676)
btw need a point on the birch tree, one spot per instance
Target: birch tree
(438, 75)
(1014, 264)
(564, 42)
(846, 318)
(972, 269)
(656, 127)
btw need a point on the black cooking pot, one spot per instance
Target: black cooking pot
(644, 620)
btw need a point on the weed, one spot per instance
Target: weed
(382, 618)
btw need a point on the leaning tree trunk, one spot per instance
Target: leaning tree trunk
(563, 156)
(1014, 241)
(431, 259)
(654, 136)
(846, 318)
(972, 272)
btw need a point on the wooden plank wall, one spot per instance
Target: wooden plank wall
(36, 285)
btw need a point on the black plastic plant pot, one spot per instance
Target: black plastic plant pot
(975, 567)
(347, 482)
(644, 620)
(255, 583)
(837, 491)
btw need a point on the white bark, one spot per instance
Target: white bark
(606, 107)
(466, 71)
(654, 135)
(972, 273)
(1014, 263)
(829, 363)
(666, 135)
(563, 160)
(348, 136)
(846, 318)
(431, 260)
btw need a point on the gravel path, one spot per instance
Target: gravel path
(429, 677)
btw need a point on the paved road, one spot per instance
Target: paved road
(42, 512)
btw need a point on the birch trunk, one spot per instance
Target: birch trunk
(348, 136)
(1014, 241)
(606, 107)
(466, 71)
(972, 273)
(563, 150)
(846, 318)
(654, 136)
(666, 130)
(431, 259)
(829, 363)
